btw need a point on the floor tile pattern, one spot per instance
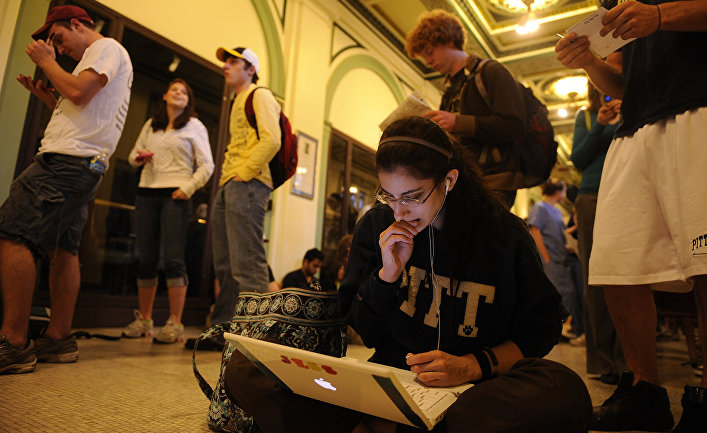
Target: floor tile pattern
(133, 385)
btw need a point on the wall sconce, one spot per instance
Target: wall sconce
(175, 63)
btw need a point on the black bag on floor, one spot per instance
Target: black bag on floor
(305, 319)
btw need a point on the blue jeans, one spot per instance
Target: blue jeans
(161, 221)
(237, 220)
(559, 274)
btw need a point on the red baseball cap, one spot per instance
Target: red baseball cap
(61, 13)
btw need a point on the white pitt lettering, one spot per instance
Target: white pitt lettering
(474, 291)
(416, 277)
(431, 318)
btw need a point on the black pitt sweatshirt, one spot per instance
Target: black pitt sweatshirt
(493, 289)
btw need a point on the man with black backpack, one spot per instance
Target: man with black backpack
(487, 113)
(238, 213)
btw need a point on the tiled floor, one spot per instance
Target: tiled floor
(137, 386)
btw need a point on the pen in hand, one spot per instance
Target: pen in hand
(562, 36)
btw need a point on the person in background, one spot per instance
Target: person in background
(594, 129)
(304, 276)
(240, 202)
(451, 301)
(548, 231)
(334, 268)
(490, 130)
(649, 232)
(238, 210)
(168, 148)
(575, 268)
(47, 207)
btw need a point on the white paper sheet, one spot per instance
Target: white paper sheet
(602, 46)
(413, 105)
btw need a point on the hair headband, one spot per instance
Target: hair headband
(425, 143)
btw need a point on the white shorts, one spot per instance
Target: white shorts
(651, 221)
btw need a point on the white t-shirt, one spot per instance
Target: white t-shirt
(176, 152)
(83, 130)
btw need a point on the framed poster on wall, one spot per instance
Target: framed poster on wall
(303, 180)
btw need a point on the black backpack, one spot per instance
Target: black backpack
(284, 163)
(535, 155)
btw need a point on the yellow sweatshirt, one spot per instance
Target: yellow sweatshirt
(246, 156)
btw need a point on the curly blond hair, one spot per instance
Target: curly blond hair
(437, 27)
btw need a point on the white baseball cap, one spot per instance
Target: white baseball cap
(243, 53)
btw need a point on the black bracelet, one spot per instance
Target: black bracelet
(491, 355)
(484, 363)
(659, 17)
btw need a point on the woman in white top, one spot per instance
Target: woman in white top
(170, 146)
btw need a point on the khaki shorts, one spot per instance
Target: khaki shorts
(651, 221)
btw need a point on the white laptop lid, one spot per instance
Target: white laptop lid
(359, 385)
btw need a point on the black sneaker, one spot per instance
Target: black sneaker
(214, 343)
(642, 406)
(694, 411)
(50, 350)
(14, 360)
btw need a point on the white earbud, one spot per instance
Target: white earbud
(447, 182)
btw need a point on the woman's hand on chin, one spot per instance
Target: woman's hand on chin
(396, 244)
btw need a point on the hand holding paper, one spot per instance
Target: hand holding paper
(413, 105)
(591, 27)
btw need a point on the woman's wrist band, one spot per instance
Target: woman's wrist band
(491, 355)
(484, 363)
(659, 17)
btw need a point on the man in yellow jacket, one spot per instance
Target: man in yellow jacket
(239, 207)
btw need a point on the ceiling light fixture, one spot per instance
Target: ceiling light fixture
(527, 23)
(569, 88)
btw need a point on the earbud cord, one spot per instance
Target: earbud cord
(437, 295)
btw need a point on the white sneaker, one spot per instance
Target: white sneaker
(140, 327)
(171, 332)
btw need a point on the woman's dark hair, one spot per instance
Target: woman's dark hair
(469, 202)
(550, 187)
(160, 121)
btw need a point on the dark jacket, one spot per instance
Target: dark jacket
(494, 290)
(490, 130)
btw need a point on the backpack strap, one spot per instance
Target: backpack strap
(250, 112)
(476, 73)
(587, 119)
(480, 82)
(209, 333)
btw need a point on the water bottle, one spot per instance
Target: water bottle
(99, 163)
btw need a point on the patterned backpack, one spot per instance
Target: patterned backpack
(305, 319)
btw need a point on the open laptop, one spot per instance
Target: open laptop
(375, 389)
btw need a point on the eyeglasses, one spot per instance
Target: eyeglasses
(404, 201)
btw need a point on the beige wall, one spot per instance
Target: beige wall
(362, 98)
(14, 36)
(199, 26)
(9, 10)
